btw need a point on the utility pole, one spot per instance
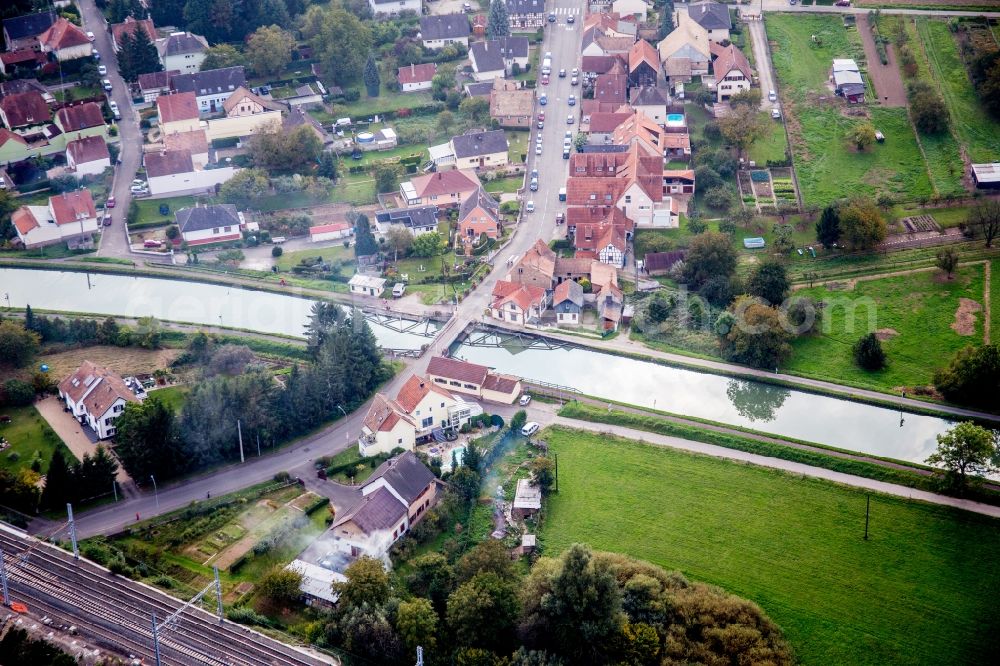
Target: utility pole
(218, 592)
(156, 493)
(3, 580)
(258, 445)
(72, 531)
(239, 433)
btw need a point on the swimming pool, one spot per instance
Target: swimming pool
(675, 118)
(459, 452)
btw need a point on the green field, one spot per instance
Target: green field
(149, 209)
(829, 168)
(332, 253)
(772, 146)
(919, 307)
(919, 591)
(172, 396)
(977, 130)
(802, 65)
(28, 433)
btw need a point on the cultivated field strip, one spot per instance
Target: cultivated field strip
(116, 611)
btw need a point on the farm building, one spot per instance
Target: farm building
(325, 232)
(527, 500)
(367, 285)
(847, 81)
(986, 176)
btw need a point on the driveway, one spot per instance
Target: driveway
(72, 433)
(114, 243)
(762, 57)
(886, 79)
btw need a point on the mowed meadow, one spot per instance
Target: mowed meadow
(921, 590)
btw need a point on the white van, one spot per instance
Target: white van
(530, 428)
(398, 290)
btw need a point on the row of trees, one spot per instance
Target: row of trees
(72, 481)
(582, 608)
(89, 332)
(346, 368)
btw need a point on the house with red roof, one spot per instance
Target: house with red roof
(732, 71)
(81, 120)
(13, 147)
(416, 77)
(65, 41)
(96, 397)
(518, 303)
(443, 189)
(69, 217)
(478, 216)
(643, 64)
(130, 27)
(473, 379)
(23, 110)
(23, 58)
(178, 112)
(422, 410)
(88, 156)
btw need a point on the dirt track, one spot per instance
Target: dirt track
(886, 79)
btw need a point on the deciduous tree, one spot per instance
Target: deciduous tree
(710, 254)
(742, 127)
(280, 586)
(416, 622)
(769, 281)
(277, 149)
(868, 352)
(483, 612)
(427, 245)
(862, 226)
(930, 115)
(340, 41)
(17, 344)
(367, 582)
(269, 49)
(221, 56)
(756, 335)
(245, 187)
(400, 240)
(386, 178)
(947, 260)
(967, 450)
(972, 377)
(862, 135)
(984, 220)
(146, 440)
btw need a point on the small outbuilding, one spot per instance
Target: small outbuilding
(326, 232)
(367, 285)
(527, 500)
(986, 176)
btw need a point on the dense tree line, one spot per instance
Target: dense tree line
(582, 608)
(89, 332)
(72, 481)
(17, 647)
(345, 370)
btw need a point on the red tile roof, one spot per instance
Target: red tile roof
(24, 220)
(154, 80)
(79, 117)
(730, 58)
(325, 228)
(458, 370)
(415, 389)
(106, 393)
(88, 149)
(594, 191)
(27, 108)
(168, 162)
(672, 140)
(18, 57)
(63, 35)
(598, 64)
(72, 206)
(607, 122)
(384, 414)
(130, 26)
(195, 141)
(179, 106)
(6, 135)
(643, 52)
(416, 73)
(611, 87)
(445, 182)
(501, 383)
(524, 295)
(679, 174)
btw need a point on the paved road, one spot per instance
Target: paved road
(114, 243)
(762, 58)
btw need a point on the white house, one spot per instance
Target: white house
(96, 397)
(732, 71)
(476, 380)
(478, 149)
(65, 41)
(212, 87)
(494, 59)
(218, 223)
(182, 51)
(69, 216)
(394, 6)
(88, 156)
(416, 77)
(417, 220)
(421, 410)
(171, 172)
(367, 285)
(518, 303)
(713, 17)
(438, 31)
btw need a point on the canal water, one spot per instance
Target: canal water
(180, 301)
(763, 407)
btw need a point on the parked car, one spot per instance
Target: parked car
(106, 83)
(843, 3)
(538, 149)
(97, 54)
(529, 207)
(466, 7)
(543, 100)
(398, 290)
(541, 124)
(151, 243)
(534, 173)
(139, 189)
(545, 79)
(560, 218)
(776, 113)
(139, 181)
(541, 116)
(575, 72)
(562, 73)
(572, 100)
(534, 185)
(525, 399)
(569, 119)
(102, 70)
(772, 96)
(113, 105)
(530, 428)
(91, 36)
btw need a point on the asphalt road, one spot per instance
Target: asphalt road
(762, 58)
(114, 242)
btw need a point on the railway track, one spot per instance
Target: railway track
(115, 612)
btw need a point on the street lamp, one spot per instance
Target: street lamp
(347, 433)
(156, 494)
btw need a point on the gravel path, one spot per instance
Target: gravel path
(885, 78)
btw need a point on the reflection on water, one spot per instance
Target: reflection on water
(764, 407)
(756, 401)
(175, 300)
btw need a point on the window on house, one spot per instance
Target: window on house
(215, 230)
(628, 198)
(427, 423)
(399, 441)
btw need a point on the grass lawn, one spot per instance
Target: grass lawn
(793, 545)
(829, 167)
(386, 101)
(976, 129)
(332, 253)
(951, 216)
(28, 433)
(995, 301)
(508, 185)
(802, 65)
(149, 209)
(352, 189)
(172, 396)
(919, 307)
(771, 146)
(518, 143)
